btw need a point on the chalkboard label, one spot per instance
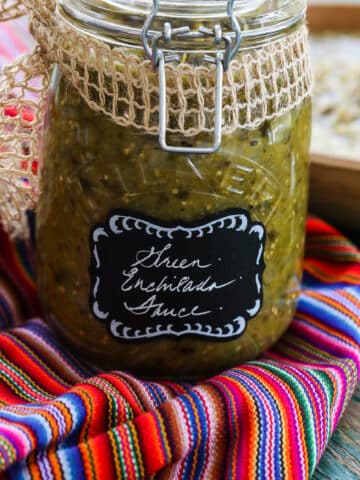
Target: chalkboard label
(151, 279)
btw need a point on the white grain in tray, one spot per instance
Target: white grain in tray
(336, 103)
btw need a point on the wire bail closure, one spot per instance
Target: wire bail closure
(222, 61)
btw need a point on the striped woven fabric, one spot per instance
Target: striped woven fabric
(15, 39)
(269, 419)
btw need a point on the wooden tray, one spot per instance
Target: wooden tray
(334, 17)
(335, 182)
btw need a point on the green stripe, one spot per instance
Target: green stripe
(305, 407)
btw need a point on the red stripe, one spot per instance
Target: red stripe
(150, 441)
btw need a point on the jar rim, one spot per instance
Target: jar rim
(120, 22)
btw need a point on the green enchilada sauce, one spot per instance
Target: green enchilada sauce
(92, 166)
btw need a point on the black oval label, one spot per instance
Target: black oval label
(151, 279)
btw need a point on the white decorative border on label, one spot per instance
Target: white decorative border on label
(120, 224)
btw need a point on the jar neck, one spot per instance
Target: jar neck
(185, 9)
(120, 22)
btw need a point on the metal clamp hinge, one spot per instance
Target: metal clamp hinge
(222, 60)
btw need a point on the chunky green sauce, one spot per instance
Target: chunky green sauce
(92, 166)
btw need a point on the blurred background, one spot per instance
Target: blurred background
(335, 41)
(335, 173)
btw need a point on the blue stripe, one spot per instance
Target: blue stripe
(277, 434)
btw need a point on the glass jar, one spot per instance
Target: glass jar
(180, 263)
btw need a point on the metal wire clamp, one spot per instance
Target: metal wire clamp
(231, 42)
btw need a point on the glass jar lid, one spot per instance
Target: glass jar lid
(121, 21)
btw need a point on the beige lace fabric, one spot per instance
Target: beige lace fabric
(23, 88)
(10, 9)
(261, 84)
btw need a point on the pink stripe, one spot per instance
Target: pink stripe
(317, 403)
(324, 365)
(331, 343)
(14, 39)
(286, 402)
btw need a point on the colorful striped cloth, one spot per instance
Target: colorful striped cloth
(269, 419)
(15, 39)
